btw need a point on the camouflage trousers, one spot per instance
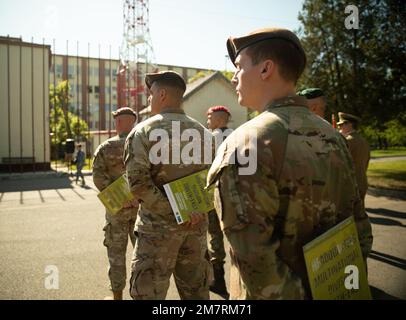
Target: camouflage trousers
(159, 255)
(216, 250)
(116, 232)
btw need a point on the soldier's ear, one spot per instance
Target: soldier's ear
(267, 69)
(162, 94)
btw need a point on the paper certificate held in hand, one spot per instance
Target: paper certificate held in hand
(188, 194)
(335, 265)
(116, 195)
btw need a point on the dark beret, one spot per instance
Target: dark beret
(236, 45)
(170, 77)
(346, 117)
(123, 111)
(311, 93)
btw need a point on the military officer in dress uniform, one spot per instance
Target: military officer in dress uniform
(359, 149)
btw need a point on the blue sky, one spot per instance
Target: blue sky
(184, 32)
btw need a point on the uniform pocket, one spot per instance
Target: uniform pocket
(108, 237)
(228, 203)
(142, 281)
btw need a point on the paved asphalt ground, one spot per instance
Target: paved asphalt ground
(54, 222)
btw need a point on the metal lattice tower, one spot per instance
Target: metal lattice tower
(136, 52)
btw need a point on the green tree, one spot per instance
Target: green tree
(64, 124)
(361, 70)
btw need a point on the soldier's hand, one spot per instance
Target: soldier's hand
(195, 218)
(135, 203)
(130, 204)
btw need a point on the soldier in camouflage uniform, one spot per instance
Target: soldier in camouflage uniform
(108, 165)
(163, 247)
(359, 149)
(217, 120)
(304, 180)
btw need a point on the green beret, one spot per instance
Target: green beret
(346, 117)
(170, 77)
(236, 45)
(311, 93)
(124, 111)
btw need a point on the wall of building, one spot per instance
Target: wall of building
(24, 106)
(97, 90)
(216, 92)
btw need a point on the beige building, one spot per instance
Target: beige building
(213, 90)
(24, 106)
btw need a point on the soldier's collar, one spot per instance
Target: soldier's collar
(123, 134)
(172, 110)
(293, 100)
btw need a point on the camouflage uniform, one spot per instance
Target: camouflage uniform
(304, 184)
(108, 165)
(216, 248)
(163, 247)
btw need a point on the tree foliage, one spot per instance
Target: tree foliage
(361, 70)
(64, 123)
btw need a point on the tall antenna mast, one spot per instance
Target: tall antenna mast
(136, 52)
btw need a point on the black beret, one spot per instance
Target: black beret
(171, 77)
(311, 93)
(236, 45)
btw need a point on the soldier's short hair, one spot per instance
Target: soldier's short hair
(280, 45)
(283, 53)
(166, 78)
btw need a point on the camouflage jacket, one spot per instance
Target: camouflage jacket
(108, 162)
(303, 185)
(146, 179)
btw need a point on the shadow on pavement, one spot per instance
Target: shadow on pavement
(386, 258)
(378, 294)
(35, 184)
(387, 213)
(388, 193)
(386, 222)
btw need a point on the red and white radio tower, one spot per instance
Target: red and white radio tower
(136, 54)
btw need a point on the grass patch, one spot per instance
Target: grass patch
(388, 175)
(388, 153)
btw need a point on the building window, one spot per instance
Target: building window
(89, 89)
